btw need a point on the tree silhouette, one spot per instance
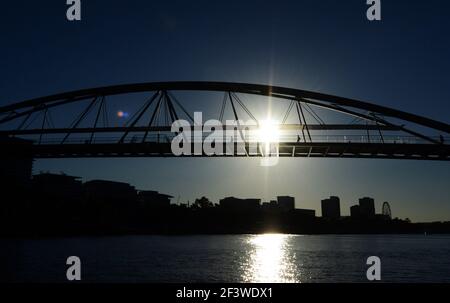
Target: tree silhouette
(203, 202)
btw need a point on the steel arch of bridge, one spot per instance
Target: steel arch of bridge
(377, 118)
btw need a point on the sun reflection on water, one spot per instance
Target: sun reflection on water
(269, 260)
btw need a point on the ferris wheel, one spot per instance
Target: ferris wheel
(387, 210)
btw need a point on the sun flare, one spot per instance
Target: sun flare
(268, 131)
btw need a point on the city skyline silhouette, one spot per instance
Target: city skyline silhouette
(218, 150)
(396, 63)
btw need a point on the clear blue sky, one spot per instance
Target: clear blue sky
(327, 46)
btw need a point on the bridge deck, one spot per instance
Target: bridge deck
(153, 149)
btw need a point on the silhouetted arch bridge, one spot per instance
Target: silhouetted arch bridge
(81, 124)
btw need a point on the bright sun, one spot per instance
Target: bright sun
(268, 131)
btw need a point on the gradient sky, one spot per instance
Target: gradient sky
(327, 46)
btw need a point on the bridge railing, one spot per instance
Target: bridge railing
(168, 137)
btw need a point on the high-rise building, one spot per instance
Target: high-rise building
(367, 207)
(331, 208)
(354, 211)
(286, 203)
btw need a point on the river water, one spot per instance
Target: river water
(229, 258)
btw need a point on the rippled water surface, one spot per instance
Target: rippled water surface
(229, 258)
